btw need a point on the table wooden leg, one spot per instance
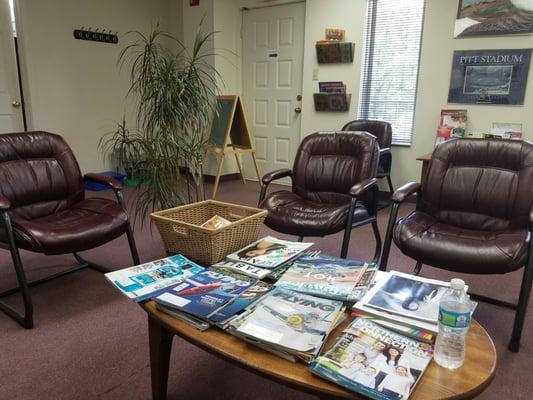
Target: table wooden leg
(160, 346)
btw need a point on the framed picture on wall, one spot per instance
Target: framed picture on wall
(493, 17)
(489, 76)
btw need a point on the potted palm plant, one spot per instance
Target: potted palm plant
(175, 89)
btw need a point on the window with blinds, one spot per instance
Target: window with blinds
(390, 64)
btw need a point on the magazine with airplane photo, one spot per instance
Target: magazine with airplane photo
(269, 252)
(142, 282)
(293, 322)
(206, 292)
(374, 361)
(323, 276)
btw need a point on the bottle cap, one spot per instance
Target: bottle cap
(457, 284)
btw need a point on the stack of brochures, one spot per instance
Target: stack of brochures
(264, 256)
(406, 303)
(290, 324)
(375, 361)
(329, 277)
(201, 296)
(144, 281)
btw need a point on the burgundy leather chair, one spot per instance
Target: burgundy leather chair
(474, 215)
(44, 209)
(334, 188)
(382, 130)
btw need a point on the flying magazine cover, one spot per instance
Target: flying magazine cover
(206, 292)
(142, 282)
(269, 252)
(323, 276)
(290, 321)
(374, 361)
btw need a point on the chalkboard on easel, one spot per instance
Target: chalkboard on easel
(230, 123)
(230, 135)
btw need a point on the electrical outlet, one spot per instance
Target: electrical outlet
(315, 74)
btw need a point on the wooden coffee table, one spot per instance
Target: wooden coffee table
(437, 383)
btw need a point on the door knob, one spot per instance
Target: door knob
(298, 110)
(15, 103)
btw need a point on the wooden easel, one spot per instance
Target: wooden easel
(230, 135)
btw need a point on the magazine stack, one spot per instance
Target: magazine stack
(203, 295)
(144, 281)
(406, 303)
(375, 361)
(264, 257)
(290, 324)
(329, 277)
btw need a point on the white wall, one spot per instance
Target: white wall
(343, 14)
(438, 45)
(73, 87)
(437, 49)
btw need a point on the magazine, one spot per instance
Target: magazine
(244, 268)
(142, 282)
(269, 252)
(407, 330)
(237, 306)
(364, 283)
(452, 124)
(205, 293)
(374, 361)
(407, 295)
(290, 321)
(323, 276)
(332, 87)
(198, 323)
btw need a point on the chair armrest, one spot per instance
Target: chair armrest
(5, 204)
(278, 174)
(362, 187)
(104, 180)
(385, 150)
(405, 191)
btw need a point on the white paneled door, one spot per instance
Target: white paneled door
(273, 40)
(10, 103)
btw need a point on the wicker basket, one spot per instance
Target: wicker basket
(181, 232)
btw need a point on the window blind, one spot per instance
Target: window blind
(393, 36)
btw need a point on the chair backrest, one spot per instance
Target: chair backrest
(328, 164)
(382, 130)
(38, 174)
(480, 184)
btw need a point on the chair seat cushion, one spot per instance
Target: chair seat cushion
(291, 214)
(87, 224)
(425, 239)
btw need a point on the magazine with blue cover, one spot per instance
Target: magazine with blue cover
(244, 300)
(205, 293)
(142, 282)
(324, 276)
(374, 361)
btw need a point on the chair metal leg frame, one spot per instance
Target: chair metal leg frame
(523, 301)
(350, 225)
(25, 319)
(417, 269)
(388, 237)
(389, 181)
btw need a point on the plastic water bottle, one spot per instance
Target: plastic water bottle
(455, 311)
